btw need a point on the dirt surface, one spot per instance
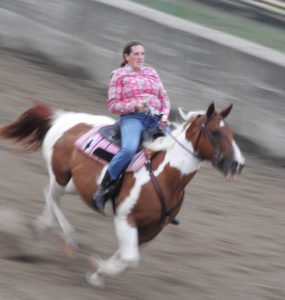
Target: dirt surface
(230, 244)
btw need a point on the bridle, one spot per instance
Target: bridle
(203, 131)
(218, 155)
(194, 153)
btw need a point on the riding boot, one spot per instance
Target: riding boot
(100, 197)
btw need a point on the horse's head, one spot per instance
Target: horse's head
(212, 139)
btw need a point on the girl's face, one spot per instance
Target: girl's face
(136, 58)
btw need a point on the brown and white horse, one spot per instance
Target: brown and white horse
(149, 198)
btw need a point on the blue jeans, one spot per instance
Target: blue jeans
(131, 125)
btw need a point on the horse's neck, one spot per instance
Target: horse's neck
(179, 158)
(176, 165)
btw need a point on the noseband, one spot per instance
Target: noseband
(218, 155)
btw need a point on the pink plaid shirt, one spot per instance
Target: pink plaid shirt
(128, 87)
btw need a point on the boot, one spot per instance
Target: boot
(100, 197)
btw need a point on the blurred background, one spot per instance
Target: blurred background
(231, 242)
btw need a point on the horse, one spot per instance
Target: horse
(148, 199)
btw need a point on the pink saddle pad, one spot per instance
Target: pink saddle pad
(92, 140)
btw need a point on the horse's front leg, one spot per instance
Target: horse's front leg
(126, 256)
(127, 236)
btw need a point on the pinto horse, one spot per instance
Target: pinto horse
(149, 198)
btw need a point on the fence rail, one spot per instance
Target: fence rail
(272, 7)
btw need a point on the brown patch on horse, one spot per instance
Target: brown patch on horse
(63, 151)
(68, 161)
(30, 128)
(85, 172)
(172, 184)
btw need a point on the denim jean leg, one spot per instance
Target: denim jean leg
(131, 129)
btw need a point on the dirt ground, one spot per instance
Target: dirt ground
(230, 244)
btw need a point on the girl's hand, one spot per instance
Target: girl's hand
(139, 107)
(164, 119)
(163, 123)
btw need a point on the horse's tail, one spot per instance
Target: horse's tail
(30, 128)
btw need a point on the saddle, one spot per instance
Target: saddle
(103, 142)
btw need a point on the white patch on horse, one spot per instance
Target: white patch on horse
(176, 155)
(183, 161)
(127, 234)
(141, 177)
(128, 240)
(222, 123)
(63, 121)
(52, 193)
(237, 153)
(165, 142)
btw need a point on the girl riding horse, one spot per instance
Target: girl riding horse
(149, 198)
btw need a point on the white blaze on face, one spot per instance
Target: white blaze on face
(238, 157)
(222, 123)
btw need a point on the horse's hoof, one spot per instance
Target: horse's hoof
(94, 279)
(93, 262)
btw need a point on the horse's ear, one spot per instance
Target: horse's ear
(224, 113)
(210, 110)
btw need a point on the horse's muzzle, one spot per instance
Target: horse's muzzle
(228, 167)
(236, 168)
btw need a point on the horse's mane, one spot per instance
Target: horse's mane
(166, 142)
(191, 115)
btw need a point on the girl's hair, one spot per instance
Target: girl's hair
(127, 50)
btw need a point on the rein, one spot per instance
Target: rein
(167, 131)
(193, 153)
(165, 211)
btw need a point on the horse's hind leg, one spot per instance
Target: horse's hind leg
(52, 214)
(52, 193)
